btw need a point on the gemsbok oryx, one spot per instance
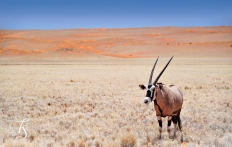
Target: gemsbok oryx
(168, 100)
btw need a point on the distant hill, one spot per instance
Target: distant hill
(74, 44)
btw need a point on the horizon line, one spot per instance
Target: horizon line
(114, 28)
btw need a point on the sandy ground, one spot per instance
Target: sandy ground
(80, 87)
(70, 45)
(98, 103)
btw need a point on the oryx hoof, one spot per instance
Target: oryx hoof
(172, 136)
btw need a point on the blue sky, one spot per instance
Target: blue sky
(68, 14)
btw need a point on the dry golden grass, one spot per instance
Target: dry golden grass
(95, 103)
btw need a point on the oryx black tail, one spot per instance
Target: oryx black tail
(179, 121)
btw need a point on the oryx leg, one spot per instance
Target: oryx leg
(174, 120)
(160, 125)
(169, 125)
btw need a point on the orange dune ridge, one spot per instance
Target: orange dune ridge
(118, 43)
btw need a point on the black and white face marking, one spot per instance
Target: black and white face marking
(150, 93)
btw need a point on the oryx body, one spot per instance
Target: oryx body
(168, 100)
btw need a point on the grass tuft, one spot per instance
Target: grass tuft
(82, 144)
(128, 140)
(71, 143)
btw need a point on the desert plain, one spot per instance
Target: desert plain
(79, 87)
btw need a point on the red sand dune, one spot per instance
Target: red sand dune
(121, 43)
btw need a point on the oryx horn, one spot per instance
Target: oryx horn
(150, 79)
(162, 72)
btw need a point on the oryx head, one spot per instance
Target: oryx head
(151, 87)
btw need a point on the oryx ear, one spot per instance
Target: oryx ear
(142, 87)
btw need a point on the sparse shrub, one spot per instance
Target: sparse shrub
(184, 139)
(219, 142)
(228, 139)
(92, 137)
(97, 144)
(71, 143)
(54, 133)
(113, 138)
(49, 145)
(220, 79)
(89, 143)
(32, 137)
(187, 88)
(71, 80)
(199, 87)
(81, 144)
(226, 87)
(68, 124)
(24, 99)
(228, 104)
(128, 140)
